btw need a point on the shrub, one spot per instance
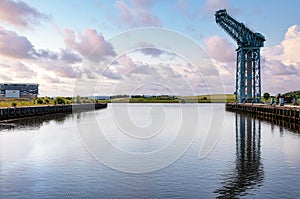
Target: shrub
(78, 99)
(40, 101)
(47, 101)
(266, 96)
(59, 100)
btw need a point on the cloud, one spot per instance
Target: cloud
(61, 69)
(111, 75)
(126, 64)
(69, 57)
(283, 59)
(291, 44)
(167, 72)
(273, 67)
(66, 71)
(211, 6)
(153, 52)
(49, 79)
(138, 13)
(20, 14)
(91, 45)
(15, 46)
(41, 53)
(5, 78)
(20, 70)
(149, 49)
(143, 69)
(220, 49)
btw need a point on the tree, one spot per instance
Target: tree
(78, 99)
(266, 96)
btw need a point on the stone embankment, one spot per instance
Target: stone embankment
(287, 113)
(19, 112)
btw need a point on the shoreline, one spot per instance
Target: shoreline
(287, 113)
(28, 111)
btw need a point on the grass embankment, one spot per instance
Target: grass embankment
(42, 101)
(214, 98)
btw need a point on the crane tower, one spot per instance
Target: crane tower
(248, 83)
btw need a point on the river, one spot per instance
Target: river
(105, 154)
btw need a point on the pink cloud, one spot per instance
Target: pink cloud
(91, 45)
(20, 14)
(126, 64)
(110, 74)
(23, 71)
(220, 49)
(69, 57)
(65, 71)
(277, 68)
(211, 6)
(60, 68)
(138, 13)
(5, 78)
(49, 79)
(281, 63)
(16, 70)
(15, 46)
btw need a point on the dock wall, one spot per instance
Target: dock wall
(286, 113)
(19, 112)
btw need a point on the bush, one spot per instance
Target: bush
(14, 104)
(266, 96)
(47, 101)
(78, 99)
(40, 101)
(59, 100)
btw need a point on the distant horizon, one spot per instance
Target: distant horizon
(127, 95)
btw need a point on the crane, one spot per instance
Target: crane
(248, 82)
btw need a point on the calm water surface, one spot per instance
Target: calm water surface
(43, 157)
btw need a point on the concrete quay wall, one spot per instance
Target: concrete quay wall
(288, 113)
(19, 112)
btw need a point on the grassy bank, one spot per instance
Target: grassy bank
(215, 98)
(41, 101)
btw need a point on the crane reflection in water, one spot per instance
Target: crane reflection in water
(247, 173)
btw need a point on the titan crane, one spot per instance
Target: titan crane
(248, 83)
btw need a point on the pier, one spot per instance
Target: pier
(19, 112)
(286, 113)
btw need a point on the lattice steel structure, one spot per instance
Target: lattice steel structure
(248, 83)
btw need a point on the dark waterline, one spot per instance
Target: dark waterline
(43, 157)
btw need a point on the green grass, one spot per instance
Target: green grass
(17, 102)
(214, 98)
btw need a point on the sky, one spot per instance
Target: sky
(99, 47)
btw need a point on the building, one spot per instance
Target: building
(19, 90)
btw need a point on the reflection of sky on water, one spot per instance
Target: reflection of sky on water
(255, 159)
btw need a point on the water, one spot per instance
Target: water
(46, 157)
